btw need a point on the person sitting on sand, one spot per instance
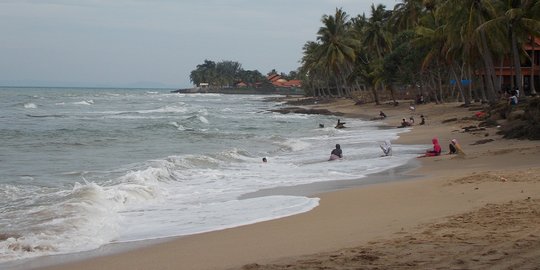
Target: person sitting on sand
(404, 123)
(423, 120)
(382, 114)
(336, 153)
(340, 124)
(455, 148)
(386, 147)
(411, 120)
(436, 149)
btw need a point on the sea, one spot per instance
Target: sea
(82, 168)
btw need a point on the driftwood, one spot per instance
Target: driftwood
(482, 141)
(449, 120)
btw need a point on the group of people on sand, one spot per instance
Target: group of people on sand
(410, 122)
(454, 148)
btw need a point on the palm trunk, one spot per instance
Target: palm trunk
(439, 81)
(375, 95)
(460, 86)
(533, 56)
(468, 90)
(489, 69)
(517, 62)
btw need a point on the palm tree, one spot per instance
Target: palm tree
(377, 41)
(520, 20)
(407, 13)
(337, 49)
(463, 18)
(312, 68)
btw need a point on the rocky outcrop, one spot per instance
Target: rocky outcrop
(306, 111)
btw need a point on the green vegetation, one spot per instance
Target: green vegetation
(420, 47)
(226, 74)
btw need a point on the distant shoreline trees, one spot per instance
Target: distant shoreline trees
(226, 74)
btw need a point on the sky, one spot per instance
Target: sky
(154, 43)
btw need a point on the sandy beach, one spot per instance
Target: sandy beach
(478, 211)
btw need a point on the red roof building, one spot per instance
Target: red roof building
(277, 81)
(507, 73)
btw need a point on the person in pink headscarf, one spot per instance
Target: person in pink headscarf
(436, 151)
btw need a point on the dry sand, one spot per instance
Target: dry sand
(479, 211)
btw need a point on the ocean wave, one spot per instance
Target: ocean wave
(165, 109)
(293, 145)
(62, 221)
(44, 116)
(84, 102)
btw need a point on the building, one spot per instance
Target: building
(277, 81)
(507, 73)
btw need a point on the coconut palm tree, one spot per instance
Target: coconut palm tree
(407, 13)
(519, 19)
(462, 19)
(376, 41)
(337, 47)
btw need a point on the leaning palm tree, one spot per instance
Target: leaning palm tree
(463, 18)
(377, 39)
(519, 21)
(313, 69)
(337, 47)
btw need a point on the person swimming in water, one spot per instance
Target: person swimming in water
(336, 153)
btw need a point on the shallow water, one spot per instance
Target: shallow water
(81, 168)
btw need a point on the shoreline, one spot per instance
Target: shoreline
(395, 174)
(352, 217)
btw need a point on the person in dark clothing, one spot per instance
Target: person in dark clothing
(340, 124)
(336, 153)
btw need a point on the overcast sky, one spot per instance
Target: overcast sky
(154, 43)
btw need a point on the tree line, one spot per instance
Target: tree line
(422, 46)
(227, 73)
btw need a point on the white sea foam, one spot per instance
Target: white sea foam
(203, 119)
(294, 144)
(166, 109)
(30, 105)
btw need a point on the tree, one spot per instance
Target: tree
(407, 14)
(462, 19)
(337, 47)
(517, 20)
